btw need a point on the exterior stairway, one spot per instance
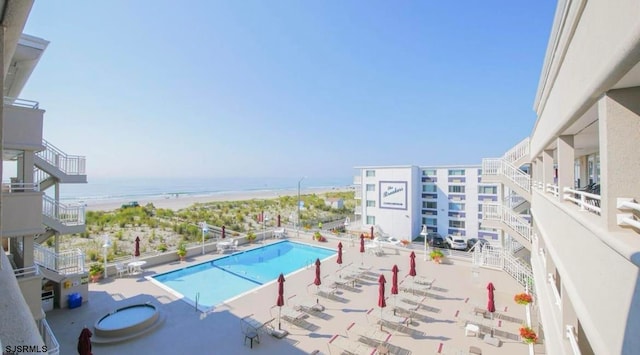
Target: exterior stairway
(499, 216)
(67, 169)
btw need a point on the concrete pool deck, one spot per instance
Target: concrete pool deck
(438, 326)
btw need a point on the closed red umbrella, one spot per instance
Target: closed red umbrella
(394, 286)
(371, 236)
(84, 342)
(412, 264)
(381, 301)
(280, 301)
(278, 221)
(339, 261)
(317, 281)
(223, 232)
(362, 247)
(491, 305)
(136, 253)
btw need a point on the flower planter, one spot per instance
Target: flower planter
(95, 277)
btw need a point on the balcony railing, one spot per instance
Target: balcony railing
(69, 164)
(53, 348)
(585, 200)
(519, 151)
(552, 189)
(67, 262)
(358, 194)
(499, 166)
(357, 180)
(511, 219)
(628, 205)
(14, 101)
(556, 293)
(69, 215)
(11, 187)
(571, 335)
(27, 271)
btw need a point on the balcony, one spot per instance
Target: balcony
(21, 211)
(30, 282)
(22, 125)
(357, 180)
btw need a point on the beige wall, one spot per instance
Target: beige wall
(602, 284)
(31, 287)
(21, 213)
(23, 128)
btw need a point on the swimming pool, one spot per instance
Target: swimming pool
(218, 280)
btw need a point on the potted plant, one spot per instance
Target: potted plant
(182, 251)
(436, 256)
(405, 242)
(95, 271)
(528, 335)
(523, 298)
(251, 237)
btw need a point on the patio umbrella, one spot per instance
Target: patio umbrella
(394, 286)
(280, 301)
(278, 221)
(381, 301)
(371, 236)
(223, 232)
(317, 281)
(136, 253)
(339, 261)
(491, 305)
(362, 247)
(84, 342)
(412, 267)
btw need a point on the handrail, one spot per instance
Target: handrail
(512, 200)
(571, 335)
(518, 151)
(499, 166)
(39, 175)
(53, 347)
(14, 101)
(66, 262)
(69, 215)
(12, 187)
(27, 271)
(69, 164)
(586, 200)
(556, 293)
(552, 189)
(628, 205)
(357, 180)
(491, 211)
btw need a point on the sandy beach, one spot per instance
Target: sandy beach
(184, 201)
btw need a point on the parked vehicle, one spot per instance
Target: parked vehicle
(436, 241)
(455, 242)
(480, 243)
(130, 204)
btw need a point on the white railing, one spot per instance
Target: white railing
(519, 151)
(587, 201)
(39, 175)
(519, 271)
(499, 166)
(630, 206)
(14, 101)
(358, 210)
(358, 194)
(552, 189)
(69, 164)
(27, 271)
(492, 211)
(357, 180)
(67, 262)
(513, 200)
(512, 245)
(538, 185)
(53, 348)
(571, 335)
(556, 293)
(10, 187)
(69, 215)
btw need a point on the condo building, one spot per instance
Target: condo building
(34, 274)
(403, 201)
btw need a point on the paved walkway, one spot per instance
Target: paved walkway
(436, 327)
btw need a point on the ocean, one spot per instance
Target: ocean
(138, 188)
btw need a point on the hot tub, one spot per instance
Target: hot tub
(127, 322)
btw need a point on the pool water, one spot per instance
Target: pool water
(225, 278)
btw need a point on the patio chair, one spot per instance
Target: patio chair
(349, 346)
(250, 332)
(121, 269)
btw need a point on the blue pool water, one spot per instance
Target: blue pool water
(230, 276)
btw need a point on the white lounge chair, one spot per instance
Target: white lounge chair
(371, 334)
(348, 346)
(121, 269)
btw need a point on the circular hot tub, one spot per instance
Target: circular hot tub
(127, 322)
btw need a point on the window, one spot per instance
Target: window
(456, 224)
(479, 172)
(430, 204)
(429, 188)
(430, 221)
(492, 190)
(371, 219)
(456, 206)
(370, 173)
(459, 189)
(456, 172)
(429, 172)
(371, 203)
(371, 187)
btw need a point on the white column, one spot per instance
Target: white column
(547, 167)
(566, 161)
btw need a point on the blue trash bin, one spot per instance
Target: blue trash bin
(74, 300)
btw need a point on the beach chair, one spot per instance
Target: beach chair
(424, 281)
(367, 334)
(121, 269)
(345, 345)
(306, 304)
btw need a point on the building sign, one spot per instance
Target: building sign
(393, 195)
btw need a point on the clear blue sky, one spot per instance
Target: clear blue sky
(285, 88)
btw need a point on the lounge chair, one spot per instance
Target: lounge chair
(348, 346)
(367, 334)
(306, 305)
(424, 280)
(121, 269)
(292, 316)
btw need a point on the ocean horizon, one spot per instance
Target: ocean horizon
(149, 188)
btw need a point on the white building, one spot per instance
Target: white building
(399, 200)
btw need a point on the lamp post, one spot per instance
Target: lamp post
(298, 224)
(205, 229)
(264, 228)
(424, 234)
(106, 246)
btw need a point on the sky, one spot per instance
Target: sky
(285, 88)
